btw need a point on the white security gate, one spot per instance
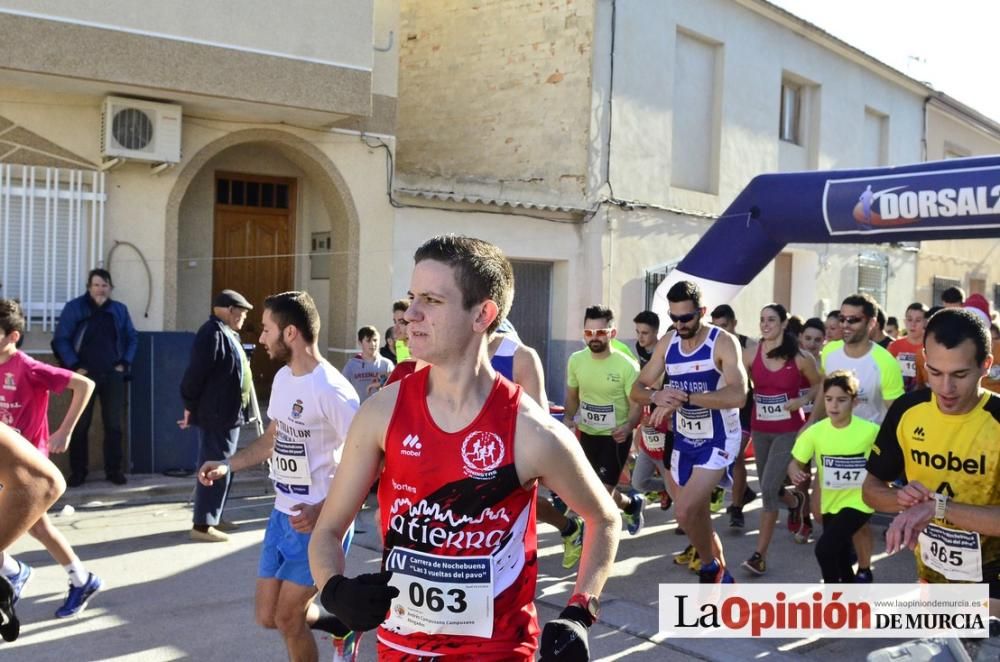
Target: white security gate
(51, 235)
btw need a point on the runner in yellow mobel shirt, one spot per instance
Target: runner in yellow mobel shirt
(947, 442)
(598, 381)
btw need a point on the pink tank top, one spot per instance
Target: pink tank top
(773, 389)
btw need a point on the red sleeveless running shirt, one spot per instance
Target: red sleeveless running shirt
(459, 532)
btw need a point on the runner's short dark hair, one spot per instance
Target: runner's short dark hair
(400, 305)
(845, 379)
(917, 305)
(865, 302)
(814, 323)
(953, 295)
(366, 332)
(724, 311)
(685, 290)
(482, 271)
(599, 312)
(952, 326)
(295, 309)
(649, 318)
(11, 317)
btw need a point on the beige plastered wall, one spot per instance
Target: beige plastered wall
(335, 32)
(344, 188)
(963, 259)
(494, 97)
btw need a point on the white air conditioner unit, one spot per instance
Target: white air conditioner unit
(141, 130)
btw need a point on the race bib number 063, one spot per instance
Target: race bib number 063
(447, 595)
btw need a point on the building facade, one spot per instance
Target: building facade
(595, 141)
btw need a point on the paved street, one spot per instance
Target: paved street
(167, 598)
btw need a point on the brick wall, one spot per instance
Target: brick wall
(494, 96)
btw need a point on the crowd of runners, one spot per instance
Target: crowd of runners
(448, 421)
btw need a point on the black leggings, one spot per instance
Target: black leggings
(833, 549)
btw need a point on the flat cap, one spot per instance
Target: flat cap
(227, 298)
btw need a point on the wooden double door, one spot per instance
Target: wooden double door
(254, 252)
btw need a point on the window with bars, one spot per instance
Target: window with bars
(653, 279)
(940, 285)
(996, 304)
(873, 275)
(51, 235)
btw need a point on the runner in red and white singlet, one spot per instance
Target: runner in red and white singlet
(459, 455)
(456, 497)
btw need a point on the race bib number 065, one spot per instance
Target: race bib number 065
(447, 595)
(953, 553)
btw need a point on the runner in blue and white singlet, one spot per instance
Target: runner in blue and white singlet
(705, 384)
(699, 433)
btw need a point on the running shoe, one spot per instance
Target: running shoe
(714, 573)
(695, 564)
(718, 501)
(804, 532)
(635, 519)
(20, 580)
(678, 531)
(795, 512)
(79, 596)
(864, 576)
(686, 556)
(748, 496)
(559, 504)
(10, 627)
(665, 500)
(736, 520)
(652, 497)
(345, 649)
(755, 564)
(573, 545)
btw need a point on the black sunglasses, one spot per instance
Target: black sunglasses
(844, 319)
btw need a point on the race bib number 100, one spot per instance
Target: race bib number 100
(290, 464)
(446, 595)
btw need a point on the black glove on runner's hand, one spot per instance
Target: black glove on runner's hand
(360, 602)
(566, 637)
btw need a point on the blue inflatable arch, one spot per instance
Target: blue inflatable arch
(953, 199)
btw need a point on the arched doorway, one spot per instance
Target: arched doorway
(244, 214)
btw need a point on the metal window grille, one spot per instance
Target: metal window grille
(873, 275)
(653, 279)
(940, 285)
(51, 234)
(791, 112)
(996, 304)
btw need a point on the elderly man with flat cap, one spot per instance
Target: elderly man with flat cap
(216, 391)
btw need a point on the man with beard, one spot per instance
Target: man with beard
(598, 381)
(461, 454)
(705, 386)
(312, 406)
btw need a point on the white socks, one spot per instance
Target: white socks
(77, 573)
(10, 565)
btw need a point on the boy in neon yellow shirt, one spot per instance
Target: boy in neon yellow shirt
(840, 445)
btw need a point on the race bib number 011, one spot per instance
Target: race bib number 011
(290, 464)
(843, 473)
(955, 554)
(772, 407)
(695, 423)
(446, 595)
(599, 417)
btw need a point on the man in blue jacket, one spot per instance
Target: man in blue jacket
(216, 391)
(95, 337)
